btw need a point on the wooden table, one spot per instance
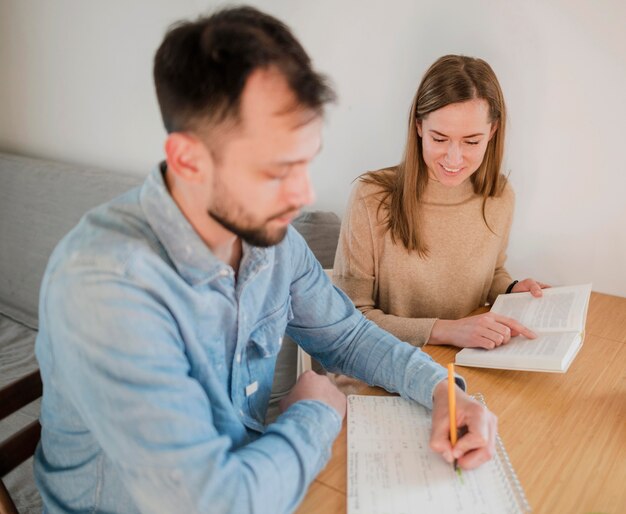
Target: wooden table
(565, 433)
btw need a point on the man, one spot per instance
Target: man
(162, 312)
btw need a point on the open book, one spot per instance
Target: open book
(558, 319)
(392, 470)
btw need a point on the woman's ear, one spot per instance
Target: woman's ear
(418, 124)
(186, 157)
(494, 128)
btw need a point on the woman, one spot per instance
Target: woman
(423, 244)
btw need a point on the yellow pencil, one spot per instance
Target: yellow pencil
(452, 406)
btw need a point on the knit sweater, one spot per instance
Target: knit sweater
(404, 293)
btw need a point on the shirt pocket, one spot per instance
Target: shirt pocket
(263, 347)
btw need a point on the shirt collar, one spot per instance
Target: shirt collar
(193, 259)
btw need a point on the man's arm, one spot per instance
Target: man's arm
(328, 326)
(126, 372)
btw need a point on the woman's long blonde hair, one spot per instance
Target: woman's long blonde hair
(451, 79)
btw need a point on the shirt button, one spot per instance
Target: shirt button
(224, 273)
(238, 358)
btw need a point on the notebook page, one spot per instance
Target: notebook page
(392, 470)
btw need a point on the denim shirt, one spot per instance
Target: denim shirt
(157, 363)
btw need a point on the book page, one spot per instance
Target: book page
(551, 351)
(392, 470)
(560, 308)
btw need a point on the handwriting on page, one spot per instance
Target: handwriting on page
(391, 468)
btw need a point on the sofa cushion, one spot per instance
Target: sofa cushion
(40, 201)
(320, 229)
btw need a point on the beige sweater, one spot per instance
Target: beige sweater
(404, 293)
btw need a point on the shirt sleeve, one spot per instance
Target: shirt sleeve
(126, 373)
(501, 278)
(328, 327)
(356, 271)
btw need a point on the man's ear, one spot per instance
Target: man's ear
(186, 157)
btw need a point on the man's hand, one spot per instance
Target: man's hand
(486, 330)
(529, 285)
(478, 444)
(311, 386)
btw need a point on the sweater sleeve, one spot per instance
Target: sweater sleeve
(501, 278)
(356, 269)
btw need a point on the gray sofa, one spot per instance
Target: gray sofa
(40, 201)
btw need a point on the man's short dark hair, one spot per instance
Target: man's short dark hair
(201, 67)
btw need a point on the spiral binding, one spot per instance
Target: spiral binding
(515, 493)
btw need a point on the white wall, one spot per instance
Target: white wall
(76, 86)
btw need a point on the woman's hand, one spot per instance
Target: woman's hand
(478, 443)
(529, 285)
(486, 330)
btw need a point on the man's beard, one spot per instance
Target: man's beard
(257, 236)
(234, 219)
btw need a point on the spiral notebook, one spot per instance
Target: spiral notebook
(392, 470)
